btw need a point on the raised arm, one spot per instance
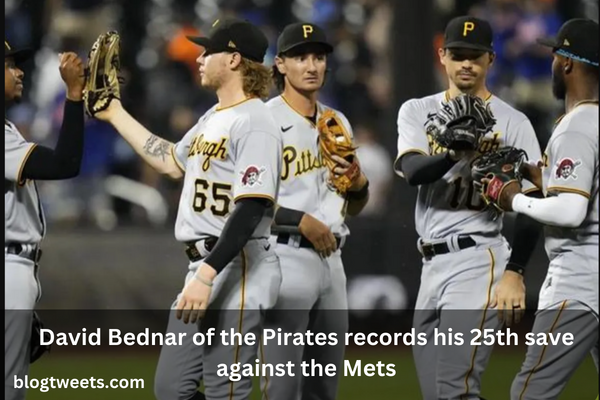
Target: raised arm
(64, 161)
(155, 151)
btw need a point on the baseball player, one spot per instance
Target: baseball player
(25, 226)
(230, 166)
(467, 263)
(309, 229)
(568, 301)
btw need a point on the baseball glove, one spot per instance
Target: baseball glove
(36, 350)
(102, 73)
(334, 139)
(495, 170)
(461, 123)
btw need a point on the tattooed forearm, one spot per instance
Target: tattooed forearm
(157, 147)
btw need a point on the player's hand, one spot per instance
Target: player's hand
(509, 298)
(344, 166)
(114, 107)
(72, 73)
(533, 173)
(196, 295)
(318, 234)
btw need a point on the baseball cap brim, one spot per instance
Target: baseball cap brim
(465, 45)
(19, 55)
(548, 42)
(211, 48)
(324, 45)
(202, 41)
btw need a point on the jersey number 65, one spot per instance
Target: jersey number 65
(220, 196)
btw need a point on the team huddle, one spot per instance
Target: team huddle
(267, 187)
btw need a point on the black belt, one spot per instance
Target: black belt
(34, 254)
(192, 251)
(431, 250)
(284, 238)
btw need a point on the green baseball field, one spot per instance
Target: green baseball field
(496, 381)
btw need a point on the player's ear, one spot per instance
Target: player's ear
(235, 60)
(567, 65)
(280, 65)
(441, 54)
(492, 58)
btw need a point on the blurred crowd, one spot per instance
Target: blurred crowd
(162, 89)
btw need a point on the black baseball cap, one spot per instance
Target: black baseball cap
(302, 33)
(576, 39)
(235, 35)
(19, 55)
(469, 33)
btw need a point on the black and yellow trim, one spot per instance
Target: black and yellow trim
(483, 318)
(241, 319)
(559, 119)
(254, 195)
(531, 190)
(412, 150)
(177, 162)
(20, 180)
(562, 307)
(563, 189)
(219, 108)
(298, 112)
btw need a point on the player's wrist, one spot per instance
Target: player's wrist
(359, 184)
(206, 272)
(360, 194)
(75, 94)
(514, 270)
(519, 202)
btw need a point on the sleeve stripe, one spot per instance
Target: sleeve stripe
(412, 150)
(531, 190)
(20, 181)
(254, 195)
(177, 162)
(562, 189)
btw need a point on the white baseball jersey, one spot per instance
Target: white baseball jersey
(452, 205)
(304, 177)
(231, 153)
(571, 165)
(23, 213)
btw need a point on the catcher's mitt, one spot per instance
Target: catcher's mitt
(36, 349)
(493, 171)
(102, 73)
(461, 123)
(334, 139)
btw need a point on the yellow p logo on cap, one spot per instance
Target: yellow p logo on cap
(468, 27)
(307, 29)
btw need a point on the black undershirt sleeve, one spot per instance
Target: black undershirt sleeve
(288, 217)
(237, 231)
(64, 161)
(526, 234)
(419, 169)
